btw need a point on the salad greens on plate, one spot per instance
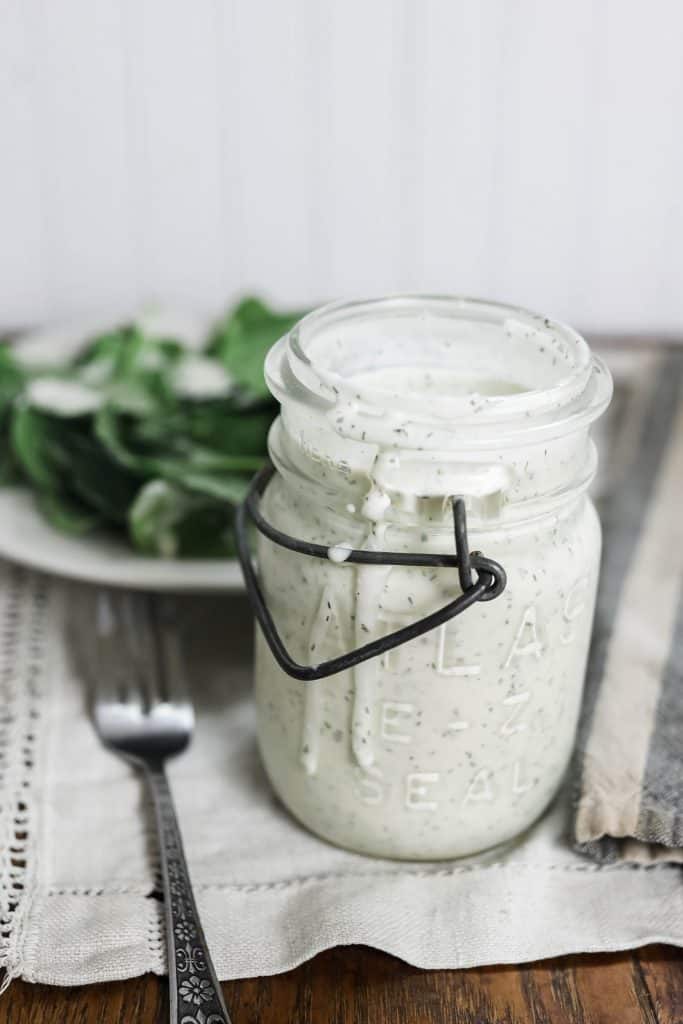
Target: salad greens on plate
(141, 435)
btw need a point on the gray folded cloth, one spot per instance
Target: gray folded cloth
(629, 759)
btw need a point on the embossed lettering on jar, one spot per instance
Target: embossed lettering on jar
(457, 741)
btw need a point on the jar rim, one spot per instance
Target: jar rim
(572, 387)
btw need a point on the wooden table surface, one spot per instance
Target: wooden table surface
(356, 985)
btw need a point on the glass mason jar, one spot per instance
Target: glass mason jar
(455, 741)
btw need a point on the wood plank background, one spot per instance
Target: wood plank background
(164, 150)
(356, 985)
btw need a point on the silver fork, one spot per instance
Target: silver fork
(141, 711)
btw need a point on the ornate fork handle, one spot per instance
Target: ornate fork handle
(195, 992)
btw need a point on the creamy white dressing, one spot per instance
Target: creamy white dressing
(63, 397)
(456, 741)
(340, 552)
(421, 381)
(198, 376)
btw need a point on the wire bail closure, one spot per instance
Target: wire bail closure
(489, 583)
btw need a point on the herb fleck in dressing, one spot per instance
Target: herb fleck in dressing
(458, 740)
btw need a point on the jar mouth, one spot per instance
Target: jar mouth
(445, 362)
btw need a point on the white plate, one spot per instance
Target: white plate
(26, 537)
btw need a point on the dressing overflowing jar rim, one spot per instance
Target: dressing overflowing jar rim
(574, 387)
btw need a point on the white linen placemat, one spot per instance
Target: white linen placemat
(77, 859)
(629, 758)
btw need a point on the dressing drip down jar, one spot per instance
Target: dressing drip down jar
(427, 562)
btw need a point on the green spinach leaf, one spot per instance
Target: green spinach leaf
(243, 340)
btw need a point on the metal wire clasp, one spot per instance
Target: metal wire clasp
(489, 583)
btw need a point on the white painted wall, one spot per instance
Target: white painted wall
(186, 150)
